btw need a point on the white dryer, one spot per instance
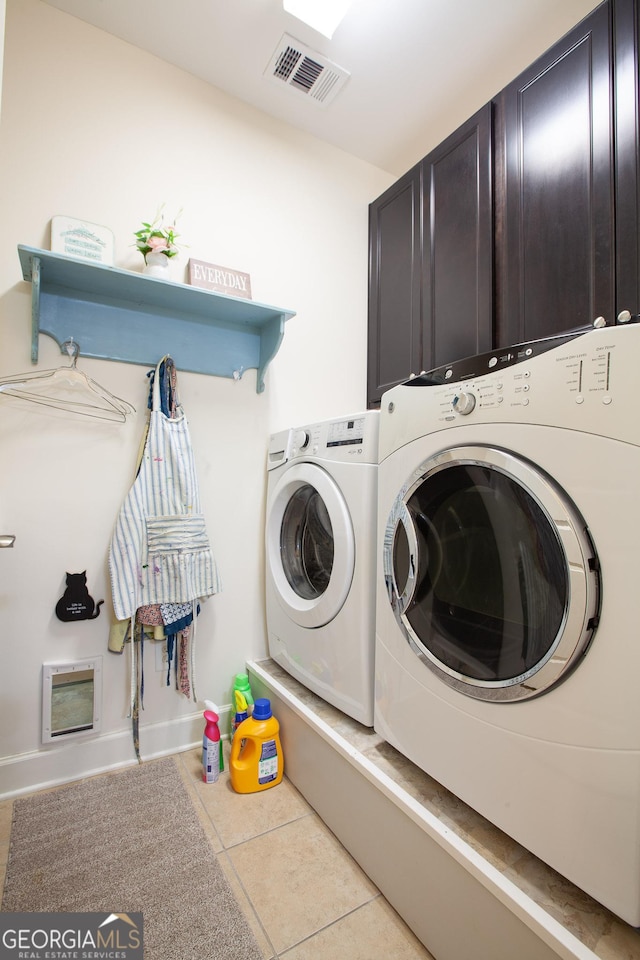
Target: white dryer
(508, 623)
(320, 558)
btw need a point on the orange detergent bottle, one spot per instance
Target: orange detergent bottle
(256, 761)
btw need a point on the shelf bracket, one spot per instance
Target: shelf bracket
(35, 307)
(272, 335)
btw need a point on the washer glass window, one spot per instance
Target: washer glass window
(310, 545)
(492, 585)
(491, 573)
(306, 543)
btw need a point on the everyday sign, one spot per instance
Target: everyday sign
(223, 279)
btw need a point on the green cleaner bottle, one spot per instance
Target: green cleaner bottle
(241, 684)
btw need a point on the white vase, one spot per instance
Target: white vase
(157, 265)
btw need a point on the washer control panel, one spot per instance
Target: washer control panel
(577, 372)
(347, 439)
(585, 383)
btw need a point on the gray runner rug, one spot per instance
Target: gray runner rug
(128, 842)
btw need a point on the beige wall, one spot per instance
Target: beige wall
(94, 128)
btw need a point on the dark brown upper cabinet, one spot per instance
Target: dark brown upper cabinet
(525, 222)
(395, 285)
(457, 269)
(626, 138)
(555, 168)
(430, 261)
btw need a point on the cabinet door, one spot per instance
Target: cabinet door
(554, 224)
(458, 245)
(626, 23)
(394, 349)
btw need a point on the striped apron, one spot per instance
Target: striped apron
(160, 552)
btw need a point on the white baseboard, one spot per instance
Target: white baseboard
(58, 763)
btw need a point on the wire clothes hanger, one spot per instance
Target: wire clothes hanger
(68, 389)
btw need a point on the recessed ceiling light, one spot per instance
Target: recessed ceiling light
(323, 15)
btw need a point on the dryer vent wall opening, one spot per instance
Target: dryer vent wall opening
(307, 72)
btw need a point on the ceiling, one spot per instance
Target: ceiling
(418, 68)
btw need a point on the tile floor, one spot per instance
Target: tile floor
(593, 925)
(304, 896)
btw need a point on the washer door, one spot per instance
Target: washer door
(310, 545)
(491, 574)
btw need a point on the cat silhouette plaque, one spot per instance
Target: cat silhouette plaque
(75, 603)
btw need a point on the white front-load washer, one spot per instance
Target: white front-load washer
(508, 622)
(321, 555)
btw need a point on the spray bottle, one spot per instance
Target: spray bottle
(210, 705)
(211, 752)
(256, 761)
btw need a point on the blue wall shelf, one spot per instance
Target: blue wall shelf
(115, 314)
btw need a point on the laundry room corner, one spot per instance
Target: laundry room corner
(109, 152)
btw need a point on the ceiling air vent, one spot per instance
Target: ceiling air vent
(306, 71)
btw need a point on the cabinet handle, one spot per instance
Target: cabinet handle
(625, 316)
